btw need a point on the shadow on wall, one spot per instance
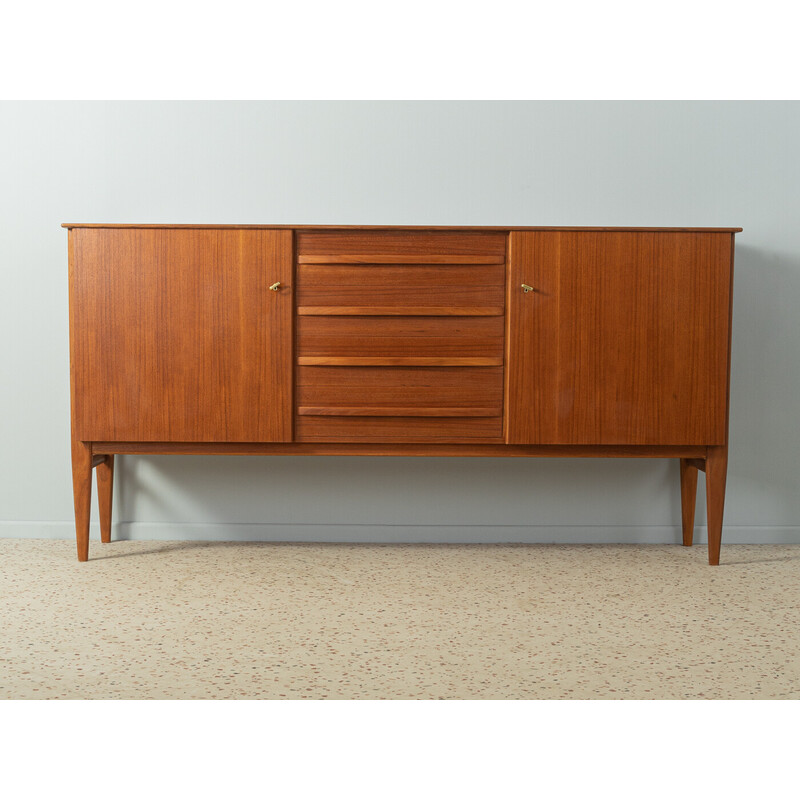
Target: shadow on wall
(360, 498)
(765, 382)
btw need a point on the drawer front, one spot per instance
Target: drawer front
(434, 247)
(400, 337)
(410, 391)
(397, 338)
(401, 289)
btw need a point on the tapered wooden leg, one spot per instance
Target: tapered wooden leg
(105, 492)
(82, 492)
(716, 472)
(688, 497)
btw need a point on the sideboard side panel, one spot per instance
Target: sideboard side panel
(623, 340)
(175, 335)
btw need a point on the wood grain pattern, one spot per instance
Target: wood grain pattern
(405, 289)
(175, 335)
(400, 337)
(688, 498)
(398, 429)
(623, 341)
(730, 332)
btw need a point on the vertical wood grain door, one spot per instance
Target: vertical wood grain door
(175, 335)
(623, 338)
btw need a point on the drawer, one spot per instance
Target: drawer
(410, 341)
(400, 391)
(393, 247)
(401, 289)
(398, 429)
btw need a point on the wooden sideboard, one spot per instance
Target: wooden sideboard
(439, 341)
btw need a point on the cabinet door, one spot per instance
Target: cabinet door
(175, 335)
(624, 338)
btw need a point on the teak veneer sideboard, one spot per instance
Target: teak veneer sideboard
(440, 341)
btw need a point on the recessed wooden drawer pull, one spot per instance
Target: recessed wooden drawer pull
(401, 361)
(397, 411)
(400, 311)
(399, 258)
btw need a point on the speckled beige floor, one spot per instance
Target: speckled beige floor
(221, 620)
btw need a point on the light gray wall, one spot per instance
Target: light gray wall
(498, 163)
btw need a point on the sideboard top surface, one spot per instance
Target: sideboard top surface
(401, 227)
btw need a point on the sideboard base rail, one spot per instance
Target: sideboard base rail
(713, 460)
(404, 449)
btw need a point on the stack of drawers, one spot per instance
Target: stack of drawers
(400, 336)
